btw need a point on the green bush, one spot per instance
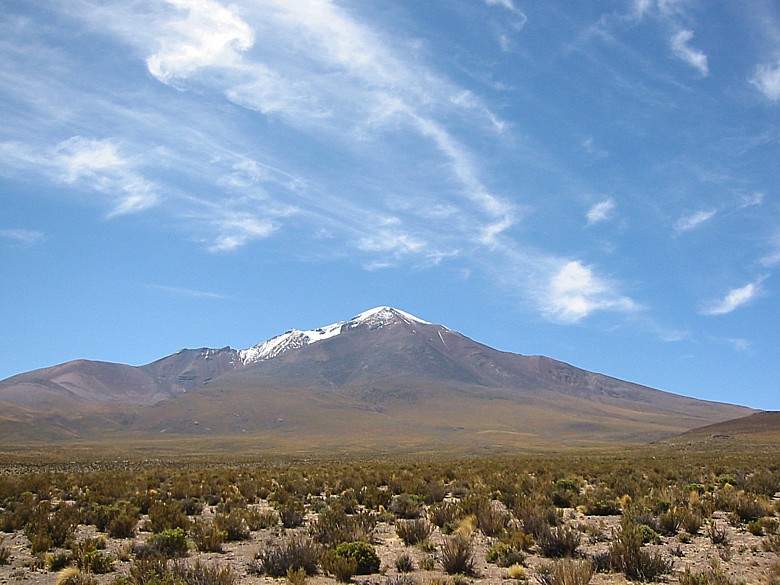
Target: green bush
(342, 568)
(628, 556)
(406, 506)
(207, 536)
(167, 515)
(333, 526)
(123, 526)
(504, 555)
(233, 524)
(169, 543)
(363, 553)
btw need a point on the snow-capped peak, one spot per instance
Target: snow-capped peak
(375, 318)
(380, 316)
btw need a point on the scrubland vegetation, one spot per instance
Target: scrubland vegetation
(649, 516)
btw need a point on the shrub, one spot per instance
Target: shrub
(413, 531)
(291, 514)
(773, 578)
(207, 536)
(516, 572)
(58, 560)
(167, 515)
(559, 542)
(233, 524)
(260, 519)
(169, 543)
(565, 572)
(443, 515)
(712, 576)
(406, 506)
(602, 502)
(47, 530)
(691, 521)
(628, 556)
(334, 525)
(201, 573)
(88, 556)
(716, 534)
(295, 553)
(342, 568)
(158, 571)
(296, 577)
(404, 563)
(96, 562)
(538, 518)
(457, 556)
(747, 508)
(123, 526)
(364, 555)
(74, 576)
(5, 552)
(504, 555)
(491, 519)
(771, 542)
(427, 563)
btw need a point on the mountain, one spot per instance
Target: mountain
(384, 379)
(757, 429)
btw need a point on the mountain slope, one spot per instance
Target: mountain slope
(382, 378)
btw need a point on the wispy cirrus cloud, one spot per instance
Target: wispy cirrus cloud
(734, 299)
(23, 236)
(90, 164)
(601, 211)
(187, 292)
(772, 258)
(694, 220)
(766, 78)
(680, 43)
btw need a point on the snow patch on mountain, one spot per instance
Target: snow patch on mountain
(375, 318)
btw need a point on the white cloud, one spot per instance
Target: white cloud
(601, 211)
(509, 5)
(694, 220)
(766, 78)
(187, 292)
(210, 35)
(238, 229)
(773, 257)
(734, 299)
(590, 147)
(574, 292)
(694, 57)
(387, 240)
(22, 236)
(90, 164)
(756, 198)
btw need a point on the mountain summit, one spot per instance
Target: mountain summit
(295, 339)
(384, 377)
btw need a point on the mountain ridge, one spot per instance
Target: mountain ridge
(380, 375)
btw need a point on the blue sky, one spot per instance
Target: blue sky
(592, 181)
